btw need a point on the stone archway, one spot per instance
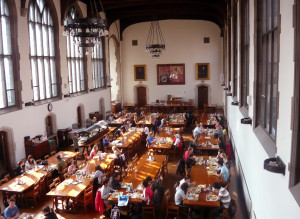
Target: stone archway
(10, 147)
(115, 68)
(50, 124)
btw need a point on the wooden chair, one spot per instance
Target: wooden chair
(56, 181)
(43, 185)
(165, 165)
(66, 175)
(87, 198)
(56, 200)
(49, 178)
(148, 210)
(171, 208)
(46, 157)
(2, 181)
(234, 196)
(52, 153)
(33, 194)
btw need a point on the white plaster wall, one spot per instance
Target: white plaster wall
(31, 120)
(184, 44)
(269, 192)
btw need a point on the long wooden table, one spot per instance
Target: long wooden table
(144, 168)
(104, 164)
(119, 121)
(71, 190)
(199, 174)
(177, 120)
(164, 107)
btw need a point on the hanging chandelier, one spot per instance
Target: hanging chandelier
(86, 32)
(155, 43)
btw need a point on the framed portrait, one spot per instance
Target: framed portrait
(202, 71)
(140, 73)
(170, 74)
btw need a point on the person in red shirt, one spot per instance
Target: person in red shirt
(147, 194)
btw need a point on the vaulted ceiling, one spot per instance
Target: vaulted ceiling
(135, 11)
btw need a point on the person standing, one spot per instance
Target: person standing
(75, 142)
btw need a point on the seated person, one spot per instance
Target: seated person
(188, 152)
(106, 142)
(106, 192)
(146, 130)
(60, 164)
(48, 213)
(72, 168)
(224, 171)
(94, 151)
(20, 168)
(98, 173)
(12, 210)
(221, 143)
(147, 194)
(187, 179)
(198, 130)
(219, 133)
(181, 194)
(150, 139)
(114, 181)
(153, 183)
(189, 162)
(30, 163)
(223, 196)
(94, 120)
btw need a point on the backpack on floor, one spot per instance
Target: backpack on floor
(115, 213)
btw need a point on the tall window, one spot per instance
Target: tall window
(76, 62)
(229, 48)
(244, 53)
(98, 66)
(42, 52)
(234, 38)
(267, 86)
(7, 86)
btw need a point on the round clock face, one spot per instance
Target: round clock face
(50, 107)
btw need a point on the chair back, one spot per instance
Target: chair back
(52, 153)
(36, 189)
(52, 186)
(7, 176)
(56, 181)
(2, 181)
(88, 195)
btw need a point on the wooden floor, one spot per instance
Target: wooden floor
(168, 183)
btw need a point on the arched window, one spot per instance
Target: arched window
(98, 66)
(42, 51)
(76, 62)
(7, 79)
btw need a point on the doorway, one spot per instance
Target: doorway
(49, 126)
(79, 118)
(141, 96)
(202, 96)
(4, 155)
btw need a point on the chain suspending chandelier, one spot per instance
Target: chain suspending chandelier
(86, 32)
(155, 43)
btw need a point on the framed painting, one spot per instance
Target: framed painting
(140, 73)
(170, 74)
(202, 71)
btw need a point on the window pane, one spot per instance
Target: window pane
(32, 39)
(264, 20)
(45, 40)
(51, 41)
(2, 86)
(6, 35)
(269, 15)
(34, 73)
(41, 78)
(11, 99)
(8, 73)
(53, 71)
(275, 11)
(47, 78)
(39, 46)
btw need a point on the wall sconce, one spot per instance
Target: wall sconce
(29, 104)
(92, 90)
(67, 95)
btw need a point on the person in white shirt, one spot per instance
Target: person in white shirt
(146, 130)
(187, 179)
(97, 176)
(181, 194)
(198, 130)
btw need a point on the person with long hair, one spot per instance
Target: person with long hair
(94, 151)
(181, 194)
(72, 168)
(30, 163)
(99, 172)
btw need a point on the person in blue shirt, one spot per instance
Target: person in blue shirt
(150, 139)
(224, 171)
(11, 212)
(106, 142)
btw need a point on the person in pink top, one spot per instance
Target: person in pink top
(188, 152)
(94, 152)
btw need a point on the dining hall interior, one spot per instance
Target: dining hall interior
(186, 108)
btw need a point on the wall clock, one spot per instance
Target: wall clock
(50, 107)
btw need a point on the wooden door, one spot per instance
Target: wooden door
(49, 126)
(79, 119)
(4, 156)
(202, 96)
(141, 96)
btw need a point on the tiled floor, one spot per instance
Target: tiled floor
(168, 183)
